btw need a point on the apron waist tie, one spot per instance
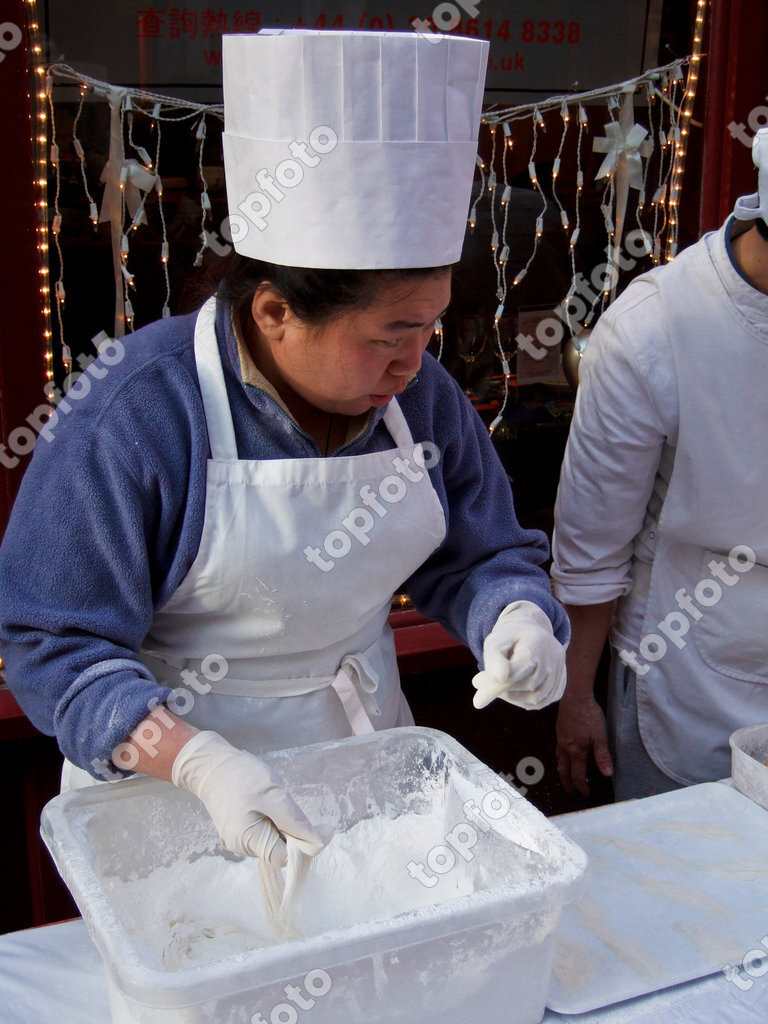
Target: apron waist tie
(354, 684)
(348, 694)
(351, 681)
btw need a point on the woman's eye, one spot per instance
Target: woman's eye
(388, 342)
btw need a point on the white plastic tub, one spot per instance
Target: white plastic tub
(749, 751)
(466, 933)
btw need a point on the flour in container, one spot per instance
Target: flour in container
(214, 907)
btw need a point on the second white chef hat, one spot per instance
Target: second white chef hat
(756, 205)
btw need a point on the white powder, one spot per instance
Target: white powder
(214, 907)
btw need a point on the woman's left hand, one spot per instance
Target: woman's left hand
(524, 663)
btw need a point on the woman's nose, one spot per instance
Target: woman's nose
(408, 359)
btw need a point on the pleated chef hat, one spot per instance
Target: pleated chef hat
(756, 205)
(351, 150)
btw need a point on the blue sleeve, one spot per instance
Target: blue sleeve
(487, 559)
(100, 535)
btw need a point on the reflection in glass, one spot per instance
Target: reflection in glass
(470, 343)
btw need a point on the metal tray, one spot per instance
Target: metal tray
(679, 890)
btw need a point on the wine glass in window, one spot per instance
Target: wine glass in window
(471, 340)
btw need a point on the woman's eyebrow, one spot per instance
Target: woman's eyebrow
(406, 324)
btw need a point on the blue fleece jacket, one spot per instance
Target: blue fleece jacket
(110, 513)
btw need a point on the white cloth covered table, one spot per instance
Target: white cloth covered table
(54, 975)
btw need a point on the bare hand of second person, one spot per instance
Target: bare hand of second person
(580, 732)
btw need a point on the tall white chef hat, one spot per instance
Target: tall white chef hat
(754, 206)
(351, 150)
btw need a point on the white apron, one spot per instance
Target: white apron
(282, 618)
(712, 678)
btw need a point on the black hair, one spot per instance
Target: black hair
(762, 228)
(315, 297)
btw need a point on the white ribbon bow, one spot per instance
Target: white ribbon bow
(136, 181)
(629, 147)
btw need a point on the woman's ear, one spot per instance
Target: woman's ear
(270, 311)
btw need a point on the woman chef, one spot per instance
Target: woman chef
(200, 562)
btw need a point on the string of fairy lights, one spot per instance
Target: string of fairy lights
(627, 146)
(681, 143)
(129, 180)
(41, 156)
(133, 174)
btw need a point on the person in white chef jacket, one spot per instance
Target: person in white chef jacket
(237, 499)
(661, 537)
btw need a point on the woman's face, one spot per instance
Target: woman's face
(360, 359)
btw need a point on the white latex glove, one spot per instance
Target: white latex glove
(524, 663)
(247, 803)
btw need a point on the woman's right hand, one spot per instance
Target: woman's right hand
(248, 805)
(580, 731)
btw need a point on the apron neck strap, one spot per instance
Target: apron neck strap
(395, 423)
(218, 416)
